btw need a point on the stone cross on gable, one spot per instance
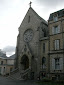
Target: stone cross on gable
(30, 3)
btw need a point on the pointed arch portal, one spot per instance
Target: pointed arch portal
(25, 62)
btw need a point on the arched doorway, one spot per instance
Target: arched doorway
(25, 62)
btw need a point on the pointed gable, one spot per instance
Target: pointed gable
(31, 21)
(30, 16)
(27, 50)
(39, 16)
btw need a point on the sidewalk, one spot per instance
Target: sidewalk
(8, 81)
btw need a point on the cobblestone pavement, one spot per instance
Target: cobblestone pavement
(8, 81)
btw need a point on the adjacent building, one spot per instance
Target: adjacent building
(56, 43)
(3, 63)
(6, 63)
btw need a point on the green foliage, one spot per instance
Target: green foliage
(49, 83)
(46, 79)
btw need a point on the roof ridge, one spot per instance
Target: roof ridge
(58, 11)
(35, 12)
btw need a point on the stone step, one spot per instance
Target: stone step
(16, 75)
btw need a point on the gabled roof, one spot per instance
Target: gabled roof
(42, 20)
(38, 15)
(11, 57)
(2, 54)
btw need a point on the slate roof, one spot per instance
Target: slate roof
(11, 57)
(60, 13)
(2, 54)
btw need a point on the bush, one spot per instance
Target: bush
(46, 79)
(60, 81)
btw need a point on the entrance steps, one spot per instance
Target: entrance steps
(15, 75)
(25, 73)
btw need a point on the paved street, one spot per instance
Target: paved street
(8, 81)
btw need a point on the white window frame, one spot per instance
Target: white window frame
(56, 29)
(55, 18)
(57, 44)
(57, 64)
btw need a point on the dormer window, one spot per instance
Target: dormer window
(55, 18)
(63, 12)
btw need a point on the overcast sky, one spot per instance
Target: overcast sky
(12, 13)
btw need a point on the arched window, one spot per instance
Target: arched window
(28, 19)
(43, 60)
(44, 32)
(44, 63)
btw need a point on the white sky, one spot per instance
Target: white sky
(12, 13)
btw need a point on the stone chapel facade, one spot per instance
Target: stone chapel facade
(36, 53)
(31, 49)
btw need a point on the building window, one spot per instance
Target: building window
(63, 12)
(11, 69)
(55, 29)
(43, 62)
(1, 62)
(56, 44)
(43, 47)
(55, 18)
(28, 19)
(4, 70)
(44, 32)
(57, 63)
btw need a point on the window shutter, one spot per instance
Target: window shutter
(52, 30)
(61, 63)
(57, 44)
(53, 64)
(59, 29)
